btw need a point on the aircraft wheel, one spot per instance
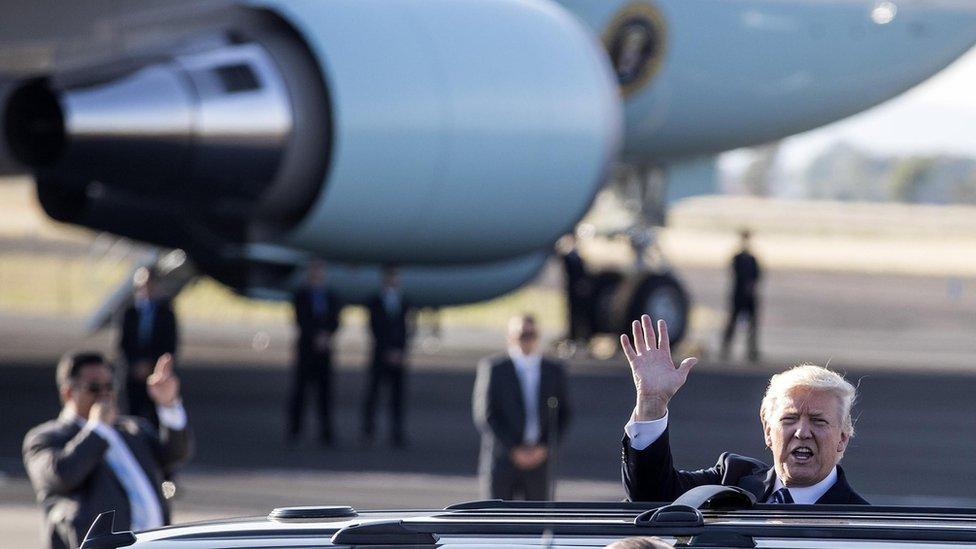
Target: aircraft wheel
(662, 296)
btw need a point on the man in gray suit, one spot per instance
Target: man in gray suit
(90, 459)
(521, 409)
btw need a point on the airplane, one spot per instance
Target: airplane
(457, 140)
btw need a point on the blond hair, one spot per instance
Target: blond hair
(811, 376)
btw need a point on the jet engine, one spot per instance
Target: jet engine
(363, 132)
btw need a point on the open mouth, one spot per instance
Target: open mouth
(802, 454)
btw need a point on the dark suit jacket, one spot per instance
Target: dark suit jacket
(499, 409)
(389, 332)
(74, 483)
(575, 273)
(163, 338)
(309, 324)
(746, 273)
(649, 475)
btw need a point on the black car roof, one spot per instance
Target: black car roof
(734, 523)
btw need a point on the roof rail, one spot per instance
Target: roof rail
(312, 512)
(676, 516)
(498, 504)
(717, 497)
(385, 532)
(476, 504)
(685, 513)
(686, 510)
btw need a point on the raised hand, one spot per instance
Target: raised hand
(655, 376)
(163, 385)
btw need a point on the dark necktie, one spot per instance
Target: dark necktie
(781, 496)
(146, 323)
(318, 302)
(391, 302)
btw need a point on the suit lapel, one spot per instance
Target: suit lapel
(762, 487)
(545, 380)
(768, 484)
(73, 428)
(519, 408)
(839, 492)
(760, 484)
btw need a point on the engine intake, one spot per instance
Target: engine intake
(236, 132)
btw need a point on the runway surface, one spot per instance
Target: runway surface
(907, 341)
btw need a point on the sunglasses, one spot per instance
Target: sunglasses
(526, 336)
(96, 388)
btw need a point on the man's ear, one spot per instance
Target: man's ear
(842, 444)
(766, 436)
(65, 393)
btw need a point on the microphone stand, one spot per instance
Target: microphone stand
(552, 412)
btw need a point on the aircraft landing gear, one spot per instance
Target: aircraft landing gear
(663, 297)
(620, 298)
(621, 293)
(638, 280)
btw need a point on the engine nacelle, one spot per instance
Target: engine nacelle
(393, 131)
(455, 140)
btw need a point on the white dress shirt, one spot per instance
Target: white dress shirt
(643, 433)
(144, 506)
(809, 494)
(529, 370)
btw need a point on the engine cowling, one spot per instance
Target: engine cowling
(401, 131)
(482, 131)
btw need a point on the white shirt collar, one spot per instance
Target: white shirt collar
(105, 430)
(523, 360)
(810, 494)
(68, 414)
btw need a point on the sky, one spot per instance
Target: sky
(937, 116)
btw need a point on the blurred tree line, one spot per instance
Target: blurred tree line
(843, 172)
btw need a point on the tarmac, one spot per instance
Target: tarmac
(907, 341)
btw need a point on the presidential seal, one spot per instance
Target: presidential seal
(635, 40)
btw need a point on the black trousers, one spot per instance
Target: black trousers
(507, 482)
(391, 375)
(139, 402)
(311, 369)
(578, 307)
(743, 306)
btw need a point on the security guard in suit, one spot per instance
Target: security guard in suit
(91, 459)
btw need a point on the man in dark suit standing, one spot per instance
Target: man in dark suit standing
(388, 313)
(148, 331)
(806, 419)
(521, 408)
(317, 311)
(744, 299)
(579, 288)
(90, 459)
